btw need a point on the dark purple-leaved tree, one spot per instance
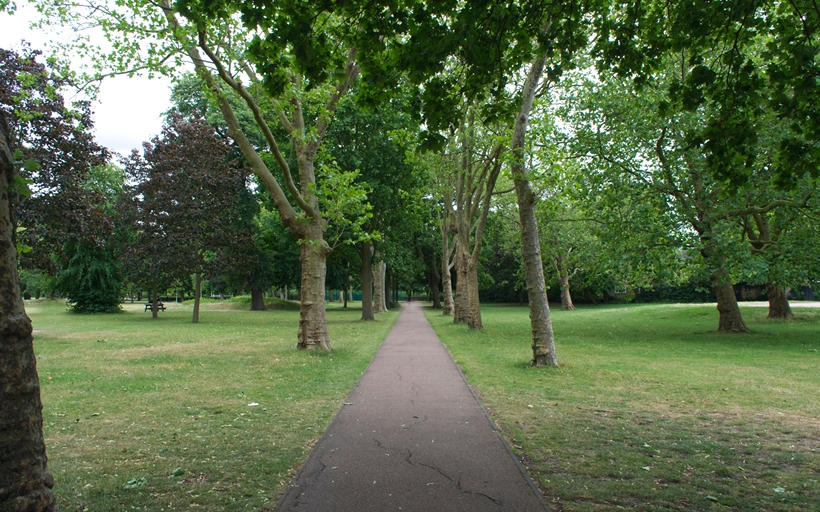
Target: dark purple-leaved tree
(181, 206)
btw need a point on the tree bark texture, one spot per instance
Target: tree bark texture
(543, 339)
(312, 321)
(197, 296)
(446, 281)
(25, 482)
(257, 300)
(367, 283)
(730, 318)
(474, 305)
(388, 276)
(379, 303)
(779, 307)
(566, 297)
(461, 308)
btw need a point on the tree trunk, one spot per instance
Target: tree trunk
(566, 297)
(388, 276)
(257, 300)
(779, 308)
(155, 302)
(730, 318)
(25, 483)
(312, 321)
(543, 340)
(434, 280)
(379, 303)
(447, 285)
(461, 310)
(197, 296)
(474, 305)
(367, 283)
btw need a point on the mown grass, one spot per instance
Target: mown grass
(143, 414)
(653, 410)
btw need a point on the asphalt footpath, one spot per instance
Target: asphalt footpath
(413, 437)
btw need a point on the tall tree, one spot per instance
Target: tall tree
(57, 141)
(25, 482)
(291, 62)
(183, 200)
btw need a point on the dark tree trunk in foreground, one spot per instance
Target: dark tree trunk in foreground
(543, 340)
(779, 308)
(257, 300)
(367, 283)
(25, 483)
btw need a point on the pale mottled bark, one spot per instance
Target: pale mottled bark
(779, 307)
(25, 482)
(543, 340)
(461, 306)
(379, 301)
(446, 281)
(473, 304)
(312, 321)
(367, 283)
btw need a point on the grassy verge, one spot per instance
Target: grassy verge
(159, 415)
(651, 409)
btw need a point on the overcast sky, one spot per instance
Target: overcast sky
(127, 111)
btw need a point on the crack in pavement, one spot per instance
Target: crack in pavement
(457, 483)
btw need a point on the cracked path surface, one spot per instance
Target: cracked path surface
(413, 438)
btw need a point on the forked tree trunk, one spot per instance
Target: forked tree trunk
(566, 297)
(730, 319)
(779, 307)
(312, 321)
(461, 310)
(543, 339)
(367, 283)
(257, 300)
(197, 296)
(25, 483)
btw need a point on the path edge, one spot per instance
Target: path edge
(497, 431)
(304, 465)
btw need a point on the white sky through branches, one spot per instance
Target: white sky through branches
(127, 111)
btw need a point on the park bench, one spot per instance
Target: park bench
(150, 306)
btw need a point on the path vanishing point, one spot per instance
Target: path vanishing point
(412, 437)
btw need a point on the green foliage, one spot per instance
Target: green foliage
(90, 279)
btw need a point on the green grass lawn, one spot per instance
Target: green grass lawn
(143, 414)
(653, 410)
